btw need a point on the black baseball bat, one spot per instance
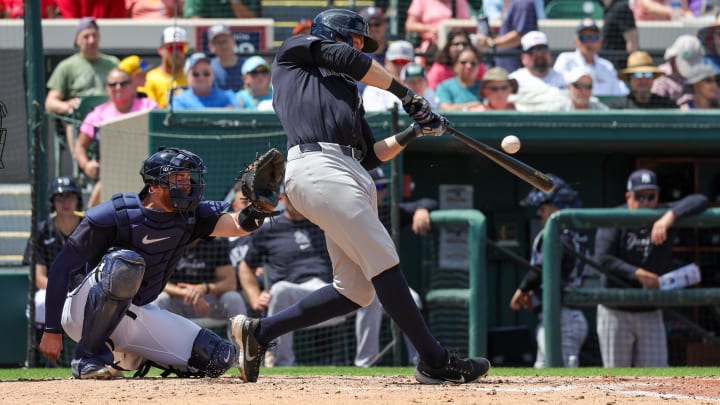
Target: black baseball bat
(522, 170)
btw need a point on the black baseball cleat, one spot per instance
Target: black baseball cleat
(91, 368)
(456, 371)
(251, 352)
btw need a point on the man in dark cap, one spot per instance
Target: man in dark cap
(635, 336)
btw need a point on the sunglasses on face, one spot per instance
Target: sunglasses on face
(123, 83)
(462, 44)
(644, 197)
(643, 75)
(589, 38)
(709, 80)
(177, 47)
(472, 63)
(255, 73)
(495, 89)
(538, 49)
(582, 86)
(205, 73)
(375, 25)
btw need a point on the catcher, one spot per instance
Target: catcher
(120, 257)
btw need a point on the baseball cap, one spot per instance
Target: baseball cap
(587, 24)
(533, 38)
(642, 179)
(133, 65)
(577, 72)
(561, 196)
(371, 12)
(687, 51)
(194, 59)
(84, 24)
(412, 71)
(173, 34)
(378, 176)
(218, 29)
(253, 63)
(400, 50)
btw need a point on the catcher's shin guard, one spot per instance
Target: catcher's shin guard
(120, 273)
(211, 354)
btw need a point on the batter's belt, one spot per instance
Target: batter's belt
(326, 148)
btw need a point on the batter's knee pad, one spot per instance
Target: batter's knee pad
(211, 354)
(121, 273)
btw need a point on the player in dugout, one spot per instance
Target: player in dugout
(331, 149)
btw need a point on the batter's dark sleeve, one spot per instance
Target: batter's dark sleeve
(335, 56)
(607, 248)
(407, 209)
(370, 159)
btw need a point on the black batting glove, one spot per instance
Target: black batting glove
(436, 126)
(252, 218)
(417, 107)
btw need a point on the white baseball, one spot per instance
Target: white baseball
(510, 144)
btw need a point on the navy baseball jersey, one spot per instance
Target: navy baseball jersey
(199, 261)
(326, 72)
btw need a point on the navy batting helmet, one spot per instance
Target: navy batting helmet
(156, 169)
(64, 185)
(561, 196)
(338, 23)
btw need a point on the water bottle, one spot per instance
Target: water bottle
(676, 7)
(483, 25)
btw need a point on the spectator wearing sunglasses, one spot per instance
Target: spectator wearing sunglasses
(588, 42)
(635, 336)
(703, 82)
(537, 67)
(495, 91)
(580, 86)
(442, 68)
(461, 93)
(169, 74)
(123, 99)
(399, 54)
(257, 94)
(201, 92)
(377, 28)
(640, 75)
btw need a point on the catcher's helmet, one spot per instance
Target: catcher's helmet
(561, 196)
(338, 23)
(64, 185)
(156, 169)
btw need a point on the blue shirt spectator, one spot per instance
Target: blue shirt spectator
(201, 92)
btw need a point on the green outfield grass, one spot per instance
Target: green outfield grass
(57, 373)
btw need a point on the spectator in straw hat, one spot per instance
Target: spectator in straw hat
(710, 39)
(702, 81)
(495, 91)
(640, 75)
(680, 57)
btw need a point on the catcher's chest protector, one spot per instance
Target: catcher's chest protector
(160, 237)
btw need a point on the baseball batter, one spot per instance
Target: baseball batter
(331, 148)
(119, 259)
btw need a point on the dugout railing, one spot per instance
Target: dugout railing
(589, 219)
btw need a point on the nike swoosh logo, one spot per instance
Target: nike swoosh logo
(147, 241)
(227, 357)
(248, 358)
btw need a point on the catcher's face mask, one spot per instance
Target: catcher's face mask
(179, 171)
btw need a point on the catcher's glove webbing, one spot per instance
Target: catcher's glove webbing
(261, 181)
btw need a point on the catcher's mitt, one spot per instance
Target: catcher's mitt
(261, 180)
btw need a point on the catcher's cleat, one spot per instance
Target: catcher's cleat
(91, 368)
(251, 352)
(456, 370)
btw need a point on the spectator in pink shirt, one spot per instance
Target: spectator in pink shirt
(442, 68)
(153, 9)
(424, 18)
(123, 100)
